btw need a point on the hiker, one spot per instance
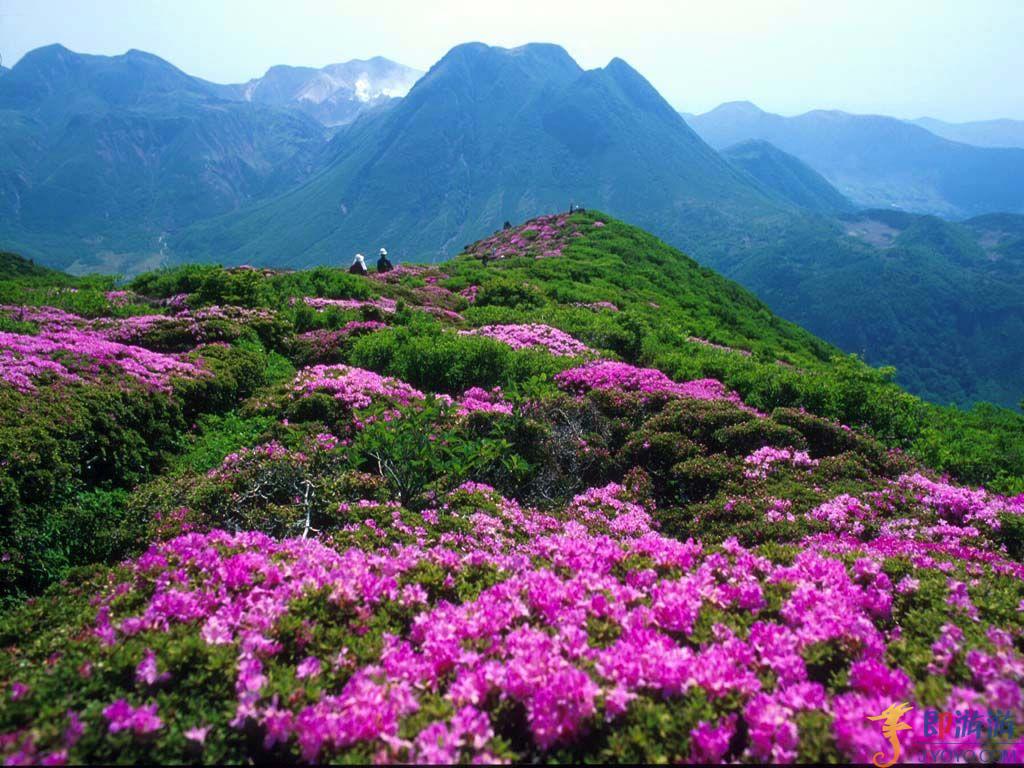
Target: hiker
(383, 265)
(508, 225)
(358, 265)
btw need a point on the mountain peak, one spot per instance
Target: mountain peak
(638, 91)
(44, 52)
(738, 108)
(531, 54)
(335, 94)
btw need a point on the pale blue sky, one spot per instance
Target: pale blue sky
(952, 59)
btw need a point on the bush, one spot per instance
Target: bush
(699, 420)
(701, 477)
(436, 361)
(417, 449)
(744, 438)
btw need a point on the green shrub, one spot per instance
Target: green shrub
(744, 438)
(436, 361)
(699, 420)
(417, 449)
(701, 477)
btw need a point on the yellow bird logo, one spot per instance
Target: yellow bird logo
(892, 724)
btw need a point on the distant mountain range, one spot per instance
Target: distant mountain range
(123, 163)
(984, 133)
(880, 162)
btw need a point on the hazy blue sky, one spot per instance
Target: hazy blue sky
(952, 59)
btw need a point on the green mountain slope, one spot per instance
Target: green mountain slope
(103, 156)
(620, 293)
(880, 162)
(121, 163)
(501, 510)
(787, 176)
(944, 302)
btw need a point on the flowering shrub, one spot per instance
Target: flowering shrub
(478, 400)
(542, 237)
(323, 346)
(580, 623)
(765, 460)
(535, 335)
(622, 377)
(381, 304)
(73, 355)
(961, 505)
(354, 387)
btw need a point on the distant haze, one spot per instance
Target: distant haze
(948, 59)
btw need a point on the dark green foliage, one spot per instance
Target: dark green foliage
(700, 420)
(418, 449)
(448, 363)
(698, 478)
(746, 437)
(1011, 532)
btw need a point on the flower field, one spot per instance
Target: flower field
(476, 516)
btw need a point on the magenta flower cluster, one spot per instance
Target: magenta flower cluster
(542, 237)
(533, 335)
(765, 460)
(962, 505)
(623, 377)
(529, 639)
(73, 355)
(382, 303)
(355, 387)
(479, 400)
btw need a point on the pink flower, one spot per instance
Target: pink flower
(622, 377)
(147, 672)
(197, 735)
(355, 387)
(308, 668)
(141, 720)
(18, 691)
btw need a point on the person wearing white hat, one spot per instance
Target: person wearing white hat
(383, 265)
(358, 265)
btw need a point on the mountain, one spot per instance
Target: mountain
(983, 133)
(596, 508)
(880, 162)
(103, 156)
(333, 95)
(488, 135)
(787, 176)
